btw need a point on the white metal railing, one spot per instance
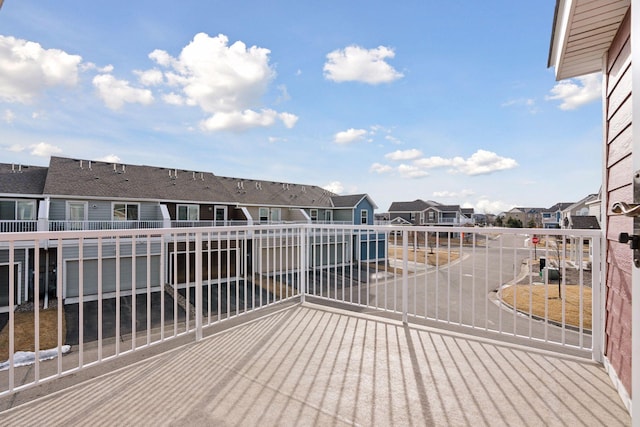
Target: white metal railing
(474, 278)
(216, 223)
(18, 226)
(122, 290)
(67, 225)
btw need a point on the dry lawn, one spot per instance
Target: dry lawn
(277, 288)
(547, 301)
(423, 255)
(24, 332)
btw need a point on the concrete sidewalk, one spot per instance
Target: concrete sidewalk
(314, 365)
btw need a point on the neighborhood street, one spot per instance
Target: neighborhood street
(463, 292)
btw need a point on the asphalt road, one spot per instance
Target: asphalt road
(460, 293)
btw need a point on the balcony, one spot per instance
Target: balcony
(21, 226)
(306, 324)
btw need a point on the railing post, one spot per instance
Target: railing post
(405, 276)
(597, 324)
(303, 263)
(198, 284)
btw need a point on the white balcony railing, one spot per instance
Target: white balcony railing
(122, 290)
(18, 226)
(15, 226)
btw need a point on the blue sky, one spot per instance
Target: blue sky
(448, 101)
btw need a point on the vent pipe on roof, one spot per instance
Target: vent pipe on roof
(123, 171)
(201, 176)
(81, 165)
(89, 164)
(20, 168)
(13, 168)
(114, 167)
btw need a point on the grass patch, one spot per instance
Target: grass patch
(24, 332)
(536, 299)
(422, 255)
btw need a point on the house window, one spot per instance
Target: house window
(432, 216)
(125, 212)
(421, 217)
(17, 210)
(263, 214)
(221, 214)
(313, 213)
(328, 216)
(77, 211)
(413, 216)
(364, 216)
(269, 215)
(188, 212)
(275, 214)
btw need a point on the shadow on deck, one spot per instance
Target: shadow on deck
(311, 364)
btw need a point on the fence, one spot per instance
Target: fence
(108, 293)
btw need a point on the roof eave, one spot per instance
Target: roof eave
(581, 34)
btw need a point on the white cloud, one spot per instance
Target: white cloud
(392, 139)
(27, 69)
(349, 135)
(284, 94)
(528, 103)
(488, 206)
(355, 63)
(334, 187)
(43, 149)
(480, 163)
(274, 139)
(484, 162)
(115, 93)
(110, 158)
(87, 66)
(453, 194)
(242, 120)
(149, 77)
(409, 171)
(161, 57)
(380, 168)
(577, 92)
(226, 81)
(288, 119)
(8, 116)
(404, 154)
(437, 162)
(16, 148)
(173, 99)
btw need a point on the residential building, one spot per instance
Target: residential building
(552, 217)
(577, 209)
(420, 212)
(74, 195)
(527, 216)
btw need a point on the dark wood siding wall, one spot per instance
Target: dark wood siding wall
(619, 170)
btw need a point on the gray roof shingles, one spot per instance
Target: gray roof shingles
(19, 179)
(585, 222)
(83, 178)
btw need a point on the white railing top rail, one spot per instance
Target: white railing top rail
(70, 234)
